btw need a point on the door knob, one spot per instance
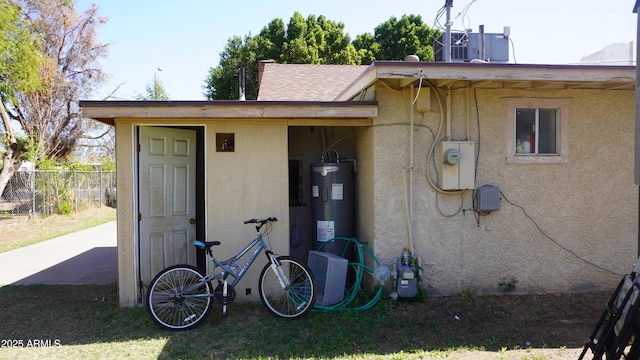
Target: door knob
(192, 221)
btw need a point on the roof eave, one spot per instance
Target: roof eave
(108, 111)
(586, 74)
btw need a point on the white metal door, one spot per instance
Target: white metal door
(166, 183)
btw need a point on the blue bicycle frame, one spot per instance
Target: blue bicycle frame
(229, 266)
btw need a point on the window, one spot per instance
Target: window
(537, 130)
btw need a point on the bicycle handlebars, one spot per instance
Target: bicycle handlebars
(261, 222)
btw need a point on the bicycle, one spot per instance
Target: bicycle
(180, 296)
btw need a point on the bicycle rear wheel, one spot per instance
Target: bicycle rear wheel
(292, 298)
(178, 297)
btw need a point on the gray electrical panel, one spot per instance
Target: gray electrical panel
(487, 198)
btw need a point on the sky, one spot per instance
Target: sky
(179, 41)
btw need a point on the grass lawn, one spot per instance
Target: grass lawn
(17, 232)
(84, 322)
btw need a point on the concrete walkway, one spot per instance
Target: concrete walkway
(85, 257)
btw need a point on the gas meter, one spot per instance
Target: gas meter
(407, 282)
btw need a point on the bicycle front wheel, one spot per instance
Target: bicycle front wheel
(287, 290)
(179, 298)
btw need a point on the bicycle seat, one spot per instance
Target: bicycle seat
(205, 244)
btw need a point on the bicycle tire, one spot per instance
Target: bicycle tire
(170, 298)
(294, 300)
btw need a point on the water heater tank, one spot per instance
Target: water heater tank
(332, 205)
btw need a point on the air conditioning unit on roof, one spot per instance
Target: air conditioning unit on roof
(466, 47)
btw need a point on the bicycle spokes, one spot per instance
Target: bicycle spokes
(287, 290)
(179, 297)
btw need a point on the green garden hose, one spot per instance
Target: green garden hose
(360, 268)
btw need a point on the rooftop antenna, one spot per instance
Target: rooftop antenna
(448, 4)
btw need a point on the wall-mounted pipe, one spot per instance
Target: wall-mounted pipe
(448, 111)
(436, 139)
(467, 112)
(411, 165)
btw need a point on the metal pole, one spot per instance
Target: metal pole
(76, 191)
(482, 56)
(33, 194)
(101, 189)
(637, 121)
(447, 37)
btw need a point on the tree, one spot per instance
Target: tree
(314, 40)
(367, 47)
(396, 38)
(154, 90)
(20, 64)
(222, 82)
(50, 116)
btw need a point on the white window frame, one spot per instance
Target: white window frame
(562, 105)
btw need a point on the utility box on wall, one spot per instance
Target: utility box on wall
(457, 165)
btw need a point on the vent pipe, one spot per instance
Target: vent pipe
(241, 80)
(482, 56)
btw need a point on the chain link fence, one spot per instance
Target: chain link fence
(48, 192)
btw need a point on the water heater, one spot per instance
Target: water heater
(332, 205)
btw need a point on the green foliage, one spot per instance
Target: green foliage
(49, 164)
(53, 164)
(154, 91)
(20, 57)
(107, 163)
(55, 187)
(367, 48)
(408, 35)
(222, 81)
(508, 284)
(64, 207)
(67, 69)
(314, 40)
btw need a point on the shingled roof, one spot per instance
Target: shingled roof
(303, 82)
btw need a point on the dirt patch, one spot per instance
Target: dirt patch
(552, 326)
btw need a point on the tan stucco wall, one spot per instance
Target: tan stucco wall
(127, 267)
(250, 182)
(587, 205)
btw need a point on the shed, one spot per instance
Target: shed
(564, 216)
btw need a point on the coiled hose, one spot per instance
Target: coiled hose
(360, 268)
